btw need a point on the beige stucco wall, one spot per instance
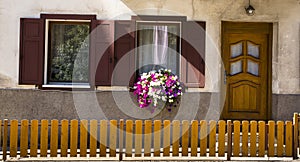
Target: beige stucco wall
(284, 13)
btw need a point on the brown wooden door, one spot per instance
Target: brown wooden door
(246, 77)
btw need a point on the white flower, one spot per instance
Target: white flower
(171, 100)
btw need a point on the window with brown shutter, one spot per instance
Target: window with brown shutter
(54, 50)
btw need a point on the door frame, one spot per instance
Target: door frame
(256, 28)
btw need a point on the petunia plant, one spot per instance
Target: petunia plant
(156, 86)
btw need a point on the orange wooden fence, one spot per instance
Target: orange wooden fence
(141, 140)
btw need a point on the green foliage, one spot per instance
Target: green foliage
(69, 57)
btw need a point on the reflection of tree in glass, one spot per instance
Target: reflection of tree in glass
(69, 43)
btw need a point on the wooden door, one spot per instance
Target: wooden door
(246, 57)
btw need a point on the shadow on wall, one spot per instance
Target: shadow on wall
(5, 81)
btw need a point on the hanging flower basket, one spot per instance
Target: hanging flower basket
(158, 87)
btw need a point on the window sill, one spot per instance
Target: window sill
(66, 86)
(112, 88)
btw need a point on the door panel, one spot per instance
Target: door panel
(245, 56)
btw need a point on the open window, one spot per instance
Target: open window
(158, 46)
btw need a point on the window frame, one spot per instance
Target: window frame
(63, 18)
(47, 53)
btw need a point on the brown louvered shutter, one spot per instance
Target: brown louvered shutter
(31, 51)
(124, 49)
(101, 52)
(193, 52)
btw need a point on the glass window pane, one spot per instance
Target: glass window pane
(68, 54)
(236, 67)
(157, 47)
(252, 68)
(253, 50)
(236, 50)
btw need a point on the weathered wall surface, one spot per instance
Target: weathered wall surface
(19, 102)
(37, 104)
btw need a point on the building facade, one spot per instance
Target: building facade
(234, 66)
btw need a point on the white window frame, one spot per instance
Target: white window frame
(58, 84)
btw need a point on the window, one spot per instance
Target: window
(158, 46)
(68, 53)
(55, 51)
(65, 51)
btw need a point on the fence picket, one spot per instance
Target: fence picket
(83, 137)
(34, 128)
(236, 138)
(1, 133)
(121, 133)
(5, 139)
(113, 138)
(185, 137)
(73, 138)
(289, 138)
(271, 138)
(103, 137)
(24, 138)
(295, 135)
(54, 138)
(245, 130)
(298, 132)
(129, 130)
(147, 137)
(261, 138)
(138, 138)
(64, 138)
(212, 137)
(13, 138)
(44, 138)
(229, 140)
(280, 131)
(157, 135)
(93, 137)
(203, 137)
(253, 131)
(166, 138)
(221, 138)
(194, 137)
(175, 137)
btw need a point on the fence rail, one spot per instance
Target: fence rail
(123, 140)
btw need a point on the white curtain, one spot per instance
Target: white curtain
(160, 45)
(155, 50)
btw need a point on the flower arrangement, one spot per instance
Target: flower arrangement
(156, 86)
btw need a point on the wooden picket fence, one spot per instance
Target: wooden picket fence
(155, 140)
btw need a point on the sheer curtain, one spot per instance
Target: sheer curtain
(157, 48)
(160, 45)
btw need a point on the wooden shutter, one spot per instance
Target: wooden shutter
(124, 46)
(101, 52)
(31, 51)
(193, 52)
